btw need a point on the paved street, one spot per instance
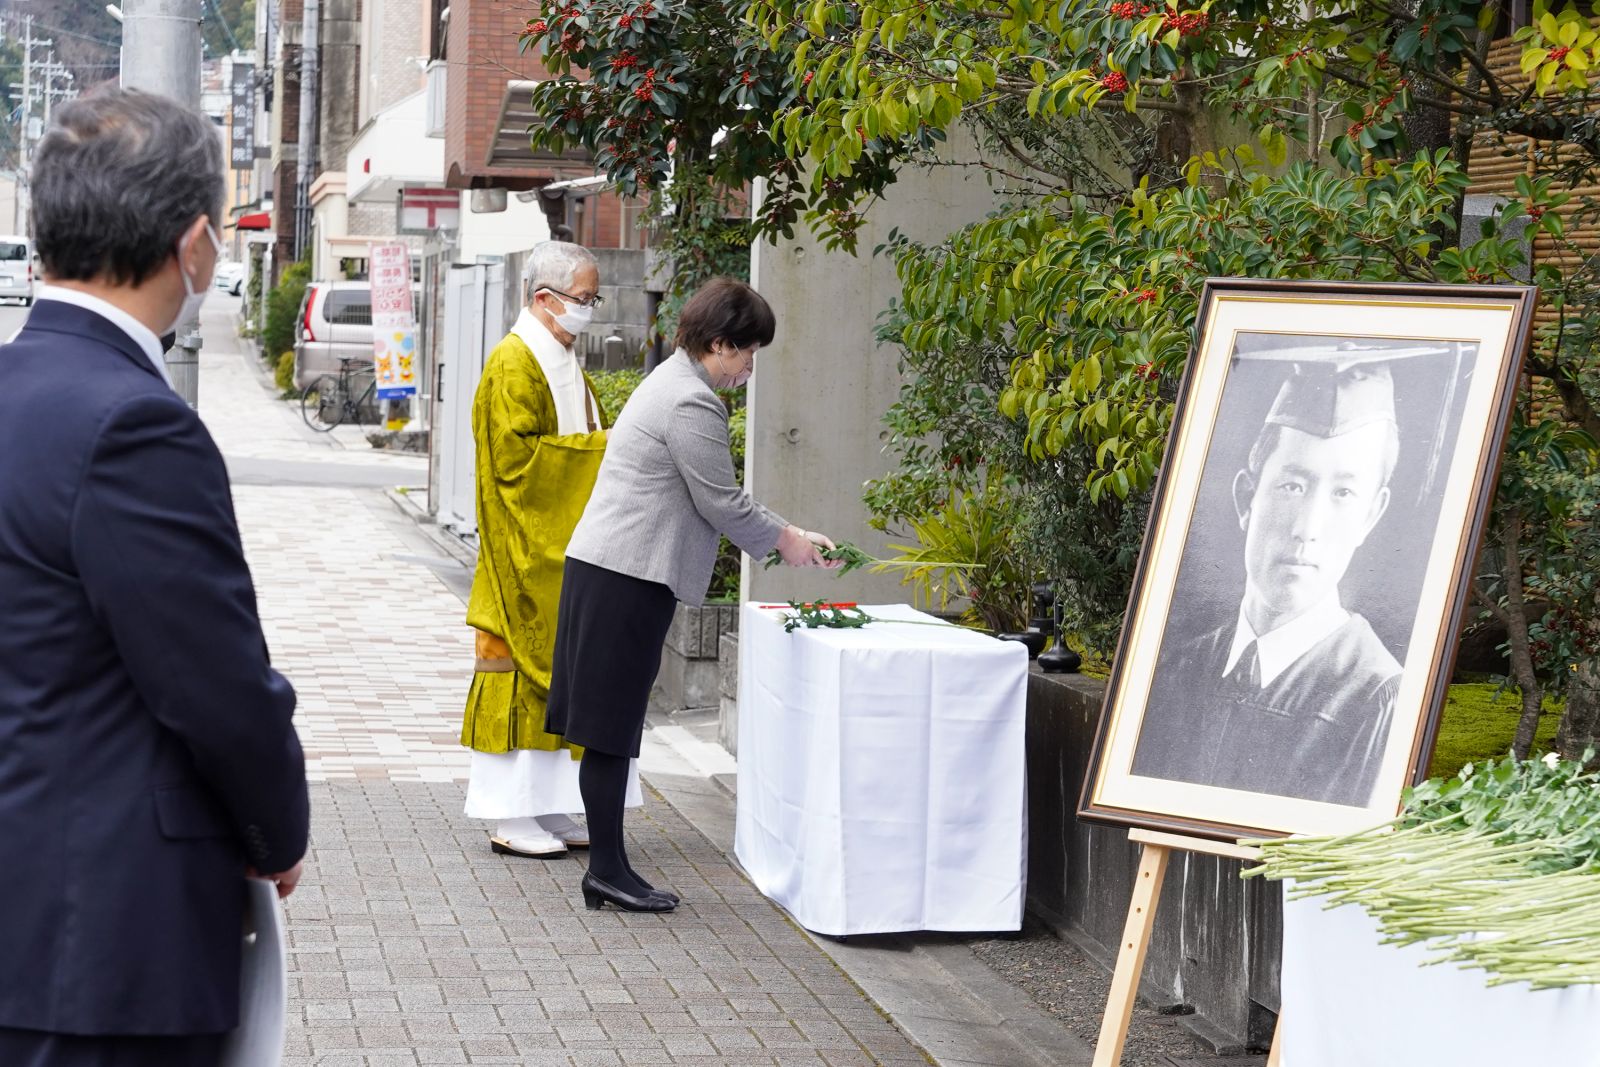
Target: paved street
(410, 942)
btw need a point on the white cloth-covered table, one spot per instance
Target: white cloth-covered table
(1348, 1000)
(881, 773)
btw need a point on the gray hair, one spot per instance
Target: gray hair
(553, 265)
(118, 177)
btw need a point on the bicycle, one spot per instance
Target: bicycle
(328, 401)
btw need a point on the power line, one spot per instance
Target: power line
(227, 29)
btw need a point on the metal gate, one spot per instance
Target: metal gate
(474, 322)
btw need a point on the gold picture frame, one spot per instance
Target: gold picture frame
(1291, 628)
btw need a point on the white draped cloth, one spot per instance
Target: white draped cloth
(882, 774)
(529, 782)
(1350, 1000)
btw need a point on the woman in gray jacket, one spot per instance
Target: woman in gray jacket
(647, 540)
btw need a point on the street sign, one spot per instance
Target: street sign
(394, 330)
(424, 210)
(242, 106)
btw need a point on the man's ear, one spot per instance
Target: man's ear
(1244, 491)
(1380, 504)
(189, 242)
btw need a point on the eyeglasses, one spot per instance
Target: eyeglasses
(593, 302)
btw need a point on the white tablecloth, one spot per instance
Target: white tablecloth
(1349, 1000)
(881, 774)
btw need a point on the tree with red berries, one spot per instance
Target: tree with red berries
(1139, 147)
(676, 99)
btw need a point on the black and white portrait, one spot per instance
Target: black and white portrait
(1298, 588)
(1294, 616)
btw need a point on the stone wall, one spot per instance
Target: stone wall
(688, 679)
(1216, 947)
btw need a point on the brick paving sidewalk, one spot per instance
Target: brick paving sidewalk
(413, 944)
(410, 943)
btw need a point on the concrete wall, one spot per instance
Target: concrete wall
(339, 66)
(499, 233)
(1218, 940)
(819, 393)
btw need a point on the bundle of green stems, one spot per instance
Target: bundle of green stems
(1497, 869)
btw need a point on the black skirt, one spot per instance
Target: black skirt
(610, 629)
(33, 1048)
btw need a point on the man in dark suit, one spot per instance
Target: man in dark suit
(147, 759)
(1293, 695)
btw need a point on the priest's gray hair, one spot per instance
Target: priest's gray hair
(553, 265)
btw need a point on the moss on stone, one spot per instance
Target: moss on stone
(1480, 721)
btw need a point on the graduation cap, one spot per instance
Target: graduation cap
(1340, 386)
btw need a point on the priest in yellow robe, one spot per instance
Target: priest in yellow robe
(538, 431)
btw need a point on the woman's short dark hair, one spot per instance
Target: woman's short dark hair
(725, 310)
(117, 178)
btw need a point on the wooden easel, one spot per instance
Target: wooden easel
(1157, 849)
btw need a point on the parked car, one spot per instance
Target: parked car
(16, 269)
(335, 322)
(229, 277)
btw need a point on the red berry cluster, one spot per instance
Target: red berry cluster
(573, 114)
(809, 75)
(1536, 213)
(1558, 54)
(1147, 371)
(624, 60)
(538, 26)
(1144, 296)
(1299, 54)
(1129, 9)
(747, 78)
(1187, 23)
(1115, 82)
(625, 22)
(647, 91)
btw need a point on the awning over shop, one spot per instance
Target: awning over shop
(511, 147)
(261, 220)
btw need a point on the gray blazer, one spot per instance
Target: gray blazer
(666, 488)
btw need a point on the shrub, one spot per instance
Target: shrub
(283, 305)
(613, 388)
(283, 374)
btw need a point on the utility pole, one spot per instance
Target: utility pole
(25, 126)
(306, 151)
(50, 70)
(162, 37)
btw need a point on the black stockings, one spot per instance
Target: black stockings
(603, 781)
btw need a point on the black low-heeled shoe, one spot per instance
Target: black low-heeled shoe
(597, 893)
(666, 894)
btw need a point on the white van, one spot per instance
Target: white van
(16, 269)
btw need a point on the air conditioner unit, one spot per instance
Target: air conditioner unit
(433, 125)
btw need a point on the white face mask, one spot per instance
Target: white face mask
(193, 296)
(575, 319)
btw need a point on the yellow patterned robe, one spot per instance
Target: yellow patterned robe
(532, 485)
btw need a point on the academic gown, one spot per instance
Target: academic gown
(1315, 732)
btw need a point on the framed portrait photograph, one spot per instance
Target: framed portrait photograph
(1293, 622)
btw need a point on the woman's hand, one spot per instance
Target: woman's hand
(799, 548)
(822, 541)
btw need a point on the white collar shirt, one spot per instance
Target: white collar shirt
(560, 366)
(137, 331)
(1277, 650)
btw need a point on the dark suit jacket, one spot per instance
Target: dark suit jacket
(1316, 732)
(146, 751)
